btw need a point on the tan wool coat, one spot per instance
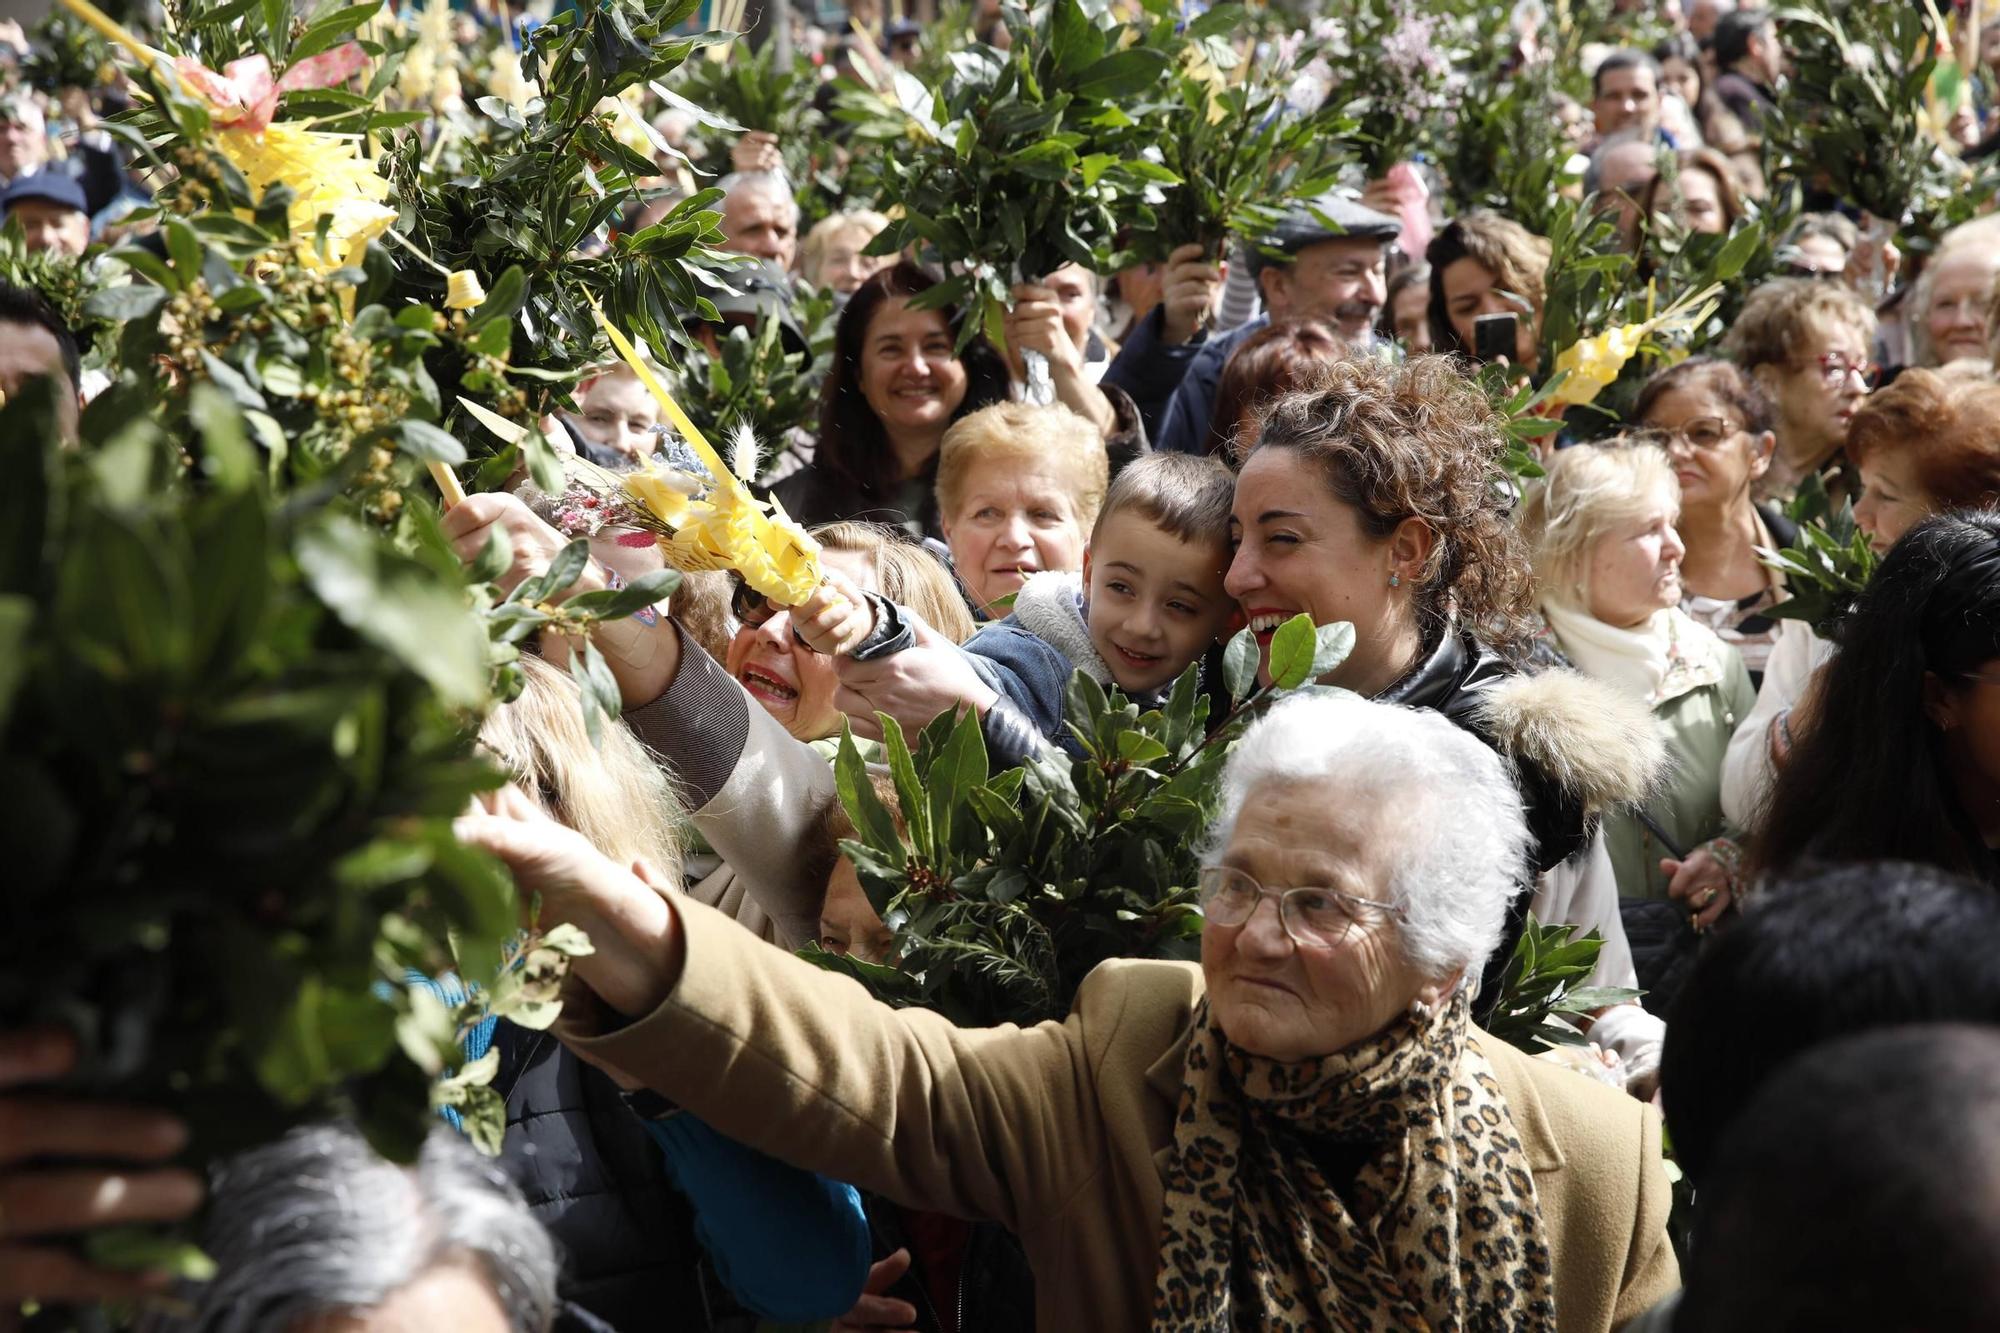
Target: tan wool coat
(1060, 1132)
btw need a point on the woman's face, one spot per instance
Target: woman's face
(1471, 290)
(1701, 203)
(1681, 78)
(1286, 1001)
(1410, 316)
(1961, 292)
(1714, 458)
(844, 267)
(908, 373)
(848, 923)
(1892, 499)
(1635, 567)
(1968, 712)
(1300, 548)
(1819, 394)
(794, 684)
(1013, 521)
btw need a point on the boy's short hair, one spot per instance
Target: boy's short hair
(1026, 435)
(1179, 493)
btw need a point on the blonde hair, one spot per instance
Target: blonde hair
(907, 574)
(812, 253)
(613, 793)
(1589, 490)
(1026, 436)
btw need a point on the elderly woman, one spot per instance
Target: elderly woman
(1486, 264)
(1607, 566)
(316, 1232)
(1715, 425)
(1017, 490)
(1808, 345)
(1948, 317)
(834, 254)
(1150, 1151)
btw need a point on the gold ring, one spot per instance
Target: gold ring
(1707, 897)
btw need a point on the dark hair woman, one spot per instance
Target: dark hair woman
(1902, 759)
(1486, 264)
(895, 385)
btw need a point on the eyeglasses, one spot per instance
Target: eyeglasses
(1703, 433)
(1835, 368)
(1314, 918)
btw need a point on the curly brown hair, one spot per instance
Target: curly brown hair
(1516, 257)
(1784, 313)
(1420, 440)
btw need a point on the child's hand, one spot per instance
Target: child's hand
(835, 618)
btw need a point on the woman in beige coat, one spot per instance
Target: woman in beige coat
(1305, 1132)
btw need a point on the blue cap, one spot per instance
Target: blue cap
(53, 186)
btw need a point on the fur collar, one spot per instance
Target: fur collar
(1599, 743)
(1050, 607)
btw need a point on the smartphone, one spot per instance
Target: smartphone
(1495, 338)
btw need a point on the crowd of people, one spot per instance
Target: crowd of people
(1574, 696)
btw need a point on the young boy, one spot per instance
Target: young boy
(1147, 605)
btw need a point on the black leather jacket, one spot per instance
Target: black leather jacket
(1451, 680)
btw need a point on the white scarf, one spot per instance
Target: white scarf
(1663, 658)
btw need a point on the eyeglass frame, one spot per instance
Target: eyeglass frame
(1828, 361)
(1286, 897)
(1664, 437)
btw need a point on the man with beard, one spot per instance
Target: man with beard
(1324, 260)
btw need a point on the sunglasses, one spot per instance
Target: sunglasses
(750, 607)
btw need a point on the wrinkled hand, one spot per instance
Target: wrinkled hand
(756, 151)
(1701, 884)
(1188, 293)
(40, 1203)
(632, 931)
(875, 1310)
(912, 686)
(836, 617)
(532, 545)
(1035, 323)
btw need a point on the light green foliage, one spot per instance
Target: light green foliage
(1829, 563)
(1541, 987)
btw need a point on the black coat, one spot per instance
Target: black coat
(1453, 679)
(594, 1178)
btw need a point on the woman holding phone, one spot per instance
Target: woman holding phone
(1486, 269)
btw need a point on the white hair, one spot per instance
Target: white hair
(316, 1223)
(772, 183)
(1450, 808)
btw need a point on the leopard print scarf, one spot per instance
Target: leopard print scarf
(1440, 1229)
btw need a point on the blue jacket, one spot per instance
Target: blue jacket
(1030, 656)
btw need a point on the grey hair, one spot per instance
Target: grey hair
(316, 1224)
(1593, 174)
(772, 182)
(1461, 838)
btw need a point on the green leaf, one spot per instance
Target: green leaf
(399, 605)
(506, 296)
(1738, 251)
(545, 468)
(422, 440)
(857, 797)
(1239, 665)
(1332, 644)
(617, 603)
(134, 1249)
(1122, 76)
(1292, 650)
(602, 700)
(327, 33)
(120, 305)
(1138, 748)
(564, 570)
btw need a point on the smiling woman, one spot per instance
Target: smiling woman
(895, 385)
(1339, 1016)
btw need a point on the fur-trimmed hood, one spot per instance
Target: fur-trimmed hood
(1050, 607)
(1600, 745)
